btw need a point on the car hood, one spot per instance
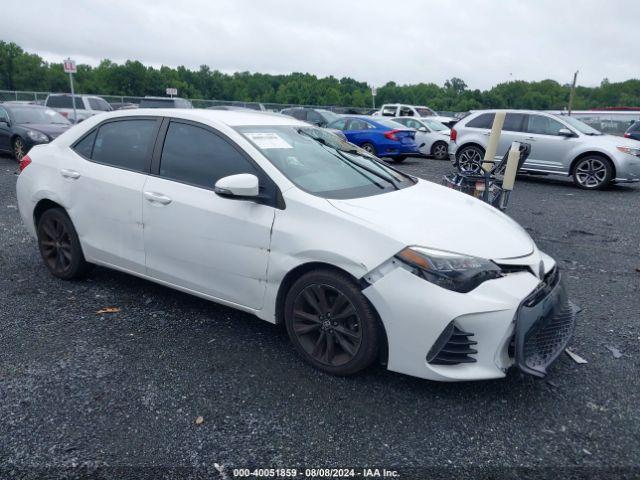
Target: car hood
(613, 141)
(50, 129)
(430, 215)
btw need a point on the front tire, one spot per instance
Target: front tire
(330, 323)
(469, 159)
(592, 172)
(440, 150)
(59, 245)
(19, 148)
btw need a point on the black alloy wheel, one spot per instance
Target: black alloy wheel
(331, 323)
(59, 245)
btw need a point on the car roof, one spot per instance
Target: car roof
(232, 118)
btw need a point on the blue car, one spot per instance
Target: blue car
(378, 136)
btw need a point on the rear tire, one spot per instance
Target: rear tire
(369, 148)
(59, 245)
(469, 159)
(440, 150)
(330, 323)
(592, 172)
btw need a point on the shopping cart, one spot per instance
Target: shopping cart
(487, 185)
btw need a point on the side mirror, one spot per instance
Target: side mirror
(243, 186)
(565, 132)
(423, 129)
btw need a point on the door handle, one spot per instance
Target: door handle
(530, 139)
(72, 174)
(154, 197)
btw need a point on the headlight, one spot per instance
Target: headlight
(453, 271)
(37, 136)
(630, 150)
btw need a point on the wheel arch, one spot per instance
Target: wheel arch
(42, 206)
(594, 153)
(436, 142)
(295, 273)
(469, 144)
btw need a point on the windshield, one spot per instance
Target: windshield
(425, 112)
(321, 163)
(580, 126)
(329, 115)
(434, 125)
(37, 115)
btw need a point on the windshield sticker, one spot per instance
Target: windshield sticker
(266, 140)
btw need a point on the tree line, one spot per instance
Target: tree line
(21, 70)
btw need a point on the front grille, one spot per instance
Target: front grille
(452, 347)
(514, 268)
(548, 337)
(544, 325)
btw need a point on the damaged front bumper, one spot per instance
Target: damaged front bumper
(438, 334)
(544, 325)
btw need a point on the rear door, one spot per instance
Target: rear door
(549, 151)
(194, 238)
(359, 131)
(105, 179)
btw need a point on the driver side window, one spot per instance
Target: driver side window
(543, 125)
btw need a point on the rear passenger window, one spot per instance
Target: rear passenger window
(513, 122)
(85, 146)
(125, 144)
(197, 156)
(481, 121)
(358, 125)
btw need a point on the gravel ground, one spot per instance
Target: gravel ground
(125, 388)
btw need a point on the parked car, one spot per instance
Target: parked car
(123, 105)
(378, 136)
(400, 110)
(432, 137)
(270, 215)
(164, 102)
(315, 116)
(86, 105)
(633, 131)
(560, 145)
(22, 126)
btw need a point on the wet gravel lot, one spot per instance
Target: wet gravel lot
(125, 388)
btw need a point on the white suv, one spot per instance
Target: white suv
(400, 110)
(560, 145)
(86, 105)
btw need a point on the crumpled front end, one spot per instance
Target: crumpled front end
(439, 334)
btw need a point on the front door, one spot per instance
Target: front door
(549, 150)
(196, 239)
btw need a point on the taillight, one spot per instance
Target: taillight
(627, 135)
(454, 134)
(391, 134)
(24, 163)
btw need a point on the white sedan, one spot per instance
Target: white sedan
(281, 219)
(432, 137)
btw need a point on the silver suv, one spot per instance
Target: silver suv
(560, 145)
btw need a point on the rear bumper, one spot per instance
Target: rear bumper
(393, 149)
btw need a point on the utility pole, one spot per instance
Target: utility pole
(573, 91)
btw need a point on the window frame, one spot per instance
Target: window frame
(150, 147)
(274, 200)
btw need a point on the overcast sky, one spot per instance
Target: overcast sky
(484, 42)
